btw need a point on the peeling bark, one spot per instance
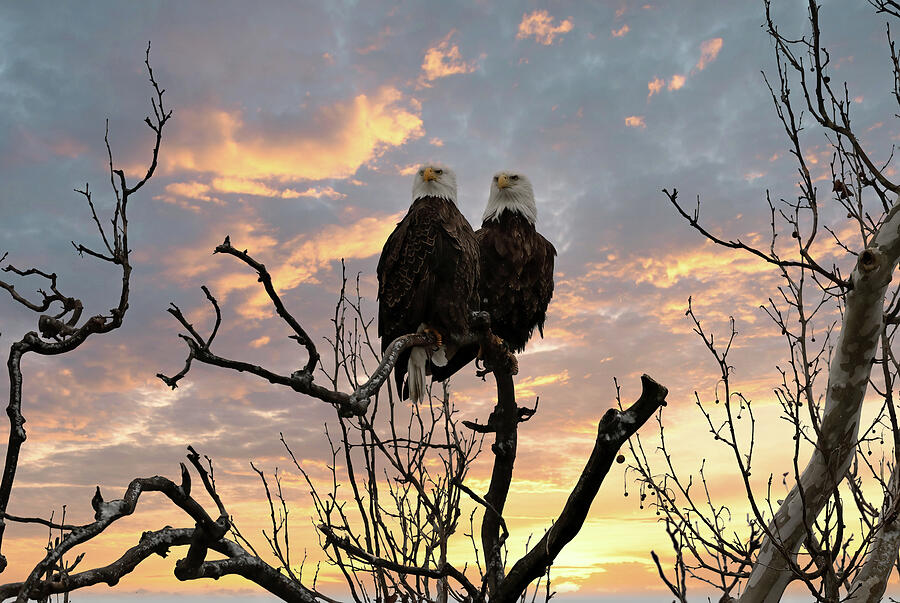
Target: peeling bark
(871, 582)
(848, 379)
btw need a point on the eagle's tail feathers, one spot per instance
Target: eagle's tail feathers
(416, 374)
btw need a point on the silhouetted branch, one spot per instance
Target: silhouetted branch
(301, 381)
(58, 334)
(694, 220)
(804, 536)
(613, 430)
(207, 534)
(331, 539)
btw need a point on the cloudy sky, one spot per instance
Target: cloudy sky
(296, 129)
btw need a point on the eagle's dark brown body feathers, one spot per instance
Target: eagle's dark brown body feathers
(516, 277)
(427, 274)
(515, 285)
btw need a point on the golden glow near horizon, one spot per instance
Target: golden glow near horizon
(299, 138)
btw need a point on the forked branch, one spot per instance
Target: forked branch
(301, 381)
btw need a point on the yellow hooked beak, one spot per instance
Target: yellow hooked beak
(502, 181)
(429, 175)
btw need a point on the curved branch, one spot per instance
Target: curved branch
(356, 552)
(266, 279)
(694, 221)
(239, 562)
(61, 336)
(348, 404)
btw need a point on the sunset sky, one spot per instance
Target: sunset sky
(296, 130)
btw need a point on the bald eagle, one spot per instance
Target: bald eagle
(516, 262)
(427, 276)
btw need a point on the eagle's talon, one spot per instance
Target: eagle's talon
(438, 341)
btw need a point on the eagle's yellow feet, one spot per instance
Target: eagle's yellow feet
(437, 336)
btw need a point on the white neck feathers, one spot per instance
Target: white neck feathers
(517, 197)
(442, 187)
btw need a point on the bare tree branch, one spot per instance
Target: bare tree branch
(59, 334)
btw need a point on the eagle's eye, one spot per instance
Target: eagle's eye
(515, 176)
(421, 172)
(438, 172)
(496, 178)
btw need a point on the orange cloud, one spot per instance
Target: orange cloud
(706, 263)
(527, 387)
(442, 60)
(620, 33)
(194, 190)
(754, 175)
(709, 50)
(318, 193)
(260, 341)
(407, 170)
(540, 25)
(307, 255)
(178, 192)
(291, 262)
(364, 238)
(666, 280)
(360, 130)
(244, 186)
(635, 121)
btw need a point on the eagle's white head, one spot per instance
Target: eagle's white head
(434, 180)
(510, 191)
